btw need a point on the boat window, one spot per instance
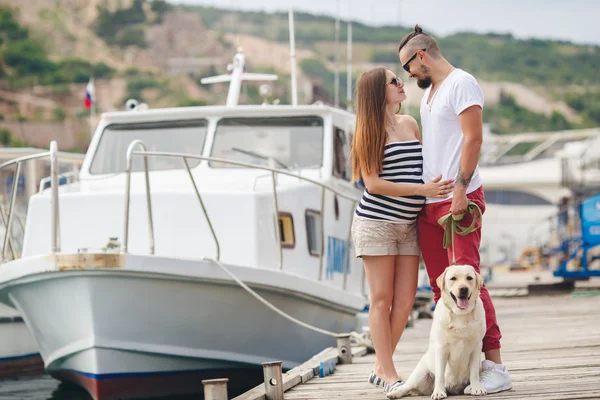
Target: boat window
(290, 142)
(313, 232)
(341, 155)
(513, 197)
(286, 230)
(176, 136)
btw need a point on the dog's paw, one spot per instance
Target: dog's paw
(439, 394)
(478, 390)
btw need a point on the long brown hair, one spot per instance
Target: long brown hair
(369, 135)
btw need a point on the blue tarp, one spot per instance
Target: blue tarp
(589, 212)
(590, 221)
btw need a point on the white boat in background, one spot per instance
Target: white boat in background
(19, 354)
(525, 176)
(124, 286)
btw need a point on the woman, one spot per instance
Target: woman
(386, 153)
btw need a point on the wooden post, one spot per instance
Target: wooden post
(344, 349)
(215, 389)
(273, 380)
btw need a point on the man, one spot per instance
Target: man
(451, 118)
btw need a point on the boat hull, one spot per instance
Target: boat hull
(19, 354)
(186, 376)
(117, 331)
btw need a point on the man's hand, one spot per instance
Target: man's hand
(459, 203)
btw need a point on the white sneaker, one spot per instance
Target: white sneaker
(493, 377)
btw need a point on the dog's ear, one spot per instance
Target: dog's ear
(441, 281)
(479, 281)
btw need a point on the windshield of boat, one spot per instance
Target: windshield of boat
(175, 136)
(291, 142)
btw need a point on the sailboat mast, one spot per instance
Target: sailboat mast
(293, 59)
(336, 101)
(349, 63)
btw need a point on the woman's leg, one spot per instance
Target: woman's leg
(405, 289)
(380, 275)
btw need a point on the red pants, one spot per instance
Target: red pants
(466, 251)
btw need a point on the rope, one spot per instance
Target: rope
(359, 339)
(452, 226)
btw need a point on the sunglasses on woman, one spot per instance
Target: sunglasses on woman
(395, 81)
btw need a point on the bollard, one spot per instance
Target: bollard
(344, 349)
(215, 389)
(273, 380)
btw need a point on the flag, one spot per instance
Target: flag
(90, 96)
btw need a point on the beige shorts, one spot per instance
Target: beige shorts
(383, 238)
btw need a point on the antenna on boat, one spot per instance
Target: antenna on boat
(336, 95)
(134, 105)
(349, 62)
(236, 77)
(293, 58)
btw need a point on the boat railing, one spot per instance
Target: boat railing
(131, 152)
(21, 220)
(8, 219)
(525, 147)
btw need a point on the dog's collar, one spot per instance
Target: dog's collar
(446, 304)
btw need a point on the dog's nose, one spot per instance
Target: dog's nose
(463, 291)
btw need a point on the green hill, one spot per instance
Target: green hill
(109, 34)
(491, 56)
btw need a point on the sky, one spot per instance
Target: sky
(572, 20)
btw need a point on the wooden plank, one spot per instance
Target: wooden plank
(303, 373)
(551, 346)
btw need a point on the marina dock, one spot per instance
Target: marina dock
(550, 344)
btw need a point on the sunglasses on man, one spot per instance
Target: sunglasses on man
(405, 66)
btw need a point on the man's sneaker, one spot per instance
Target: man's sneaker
(389, 389)
(375, 380)
(493, 377)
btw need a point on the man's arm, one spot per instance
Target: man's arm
(472, 127)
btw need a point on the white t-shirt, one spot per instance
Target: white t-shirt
(442, 134)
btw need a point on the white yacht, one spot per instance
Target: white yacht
(124, 280)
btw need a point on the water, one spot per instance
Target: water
(44, 386)
(39, 387)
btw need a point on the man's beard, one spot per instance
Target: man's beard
(424, 83)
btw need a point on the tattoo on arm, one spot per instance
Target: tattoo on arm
(462, 179)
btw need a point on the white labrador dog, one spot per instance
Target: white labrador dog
(453, 358)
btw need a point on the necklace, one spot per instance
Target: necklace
(430, 102)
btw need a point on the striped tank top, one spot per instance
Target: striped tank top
(402, 163)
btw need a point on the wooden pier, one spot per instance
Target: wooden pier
(551, 345)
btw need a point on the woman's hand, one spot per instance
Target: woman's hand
(437, 188)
